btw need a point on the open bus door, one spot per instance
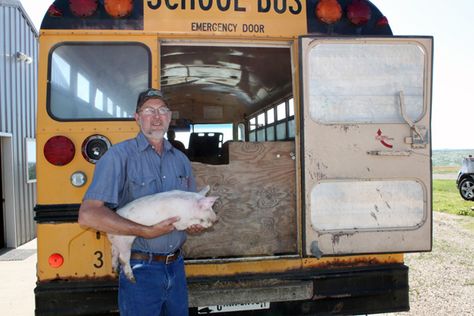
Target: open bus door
(367, 152)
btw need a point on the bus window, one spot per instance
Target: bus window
(241, 132)
(291, 122)
(252, 136)
(87, 77)
(271, 116)
(338, 95)
(275, 123)
(281, 131)
(291, 107)
(225, 129)
(281, 111)
(204, 142)
(270, 133)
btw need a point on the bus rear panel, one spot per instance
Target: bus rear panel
(308, 119)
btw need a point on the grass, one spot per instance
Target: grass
(446, 169)
(446, 198)
(469, 226)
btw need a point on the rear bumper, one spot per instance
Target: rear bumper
(351, 291)
(76, 298)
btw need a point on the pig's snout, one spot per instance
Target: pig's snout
(209, 219)
(213, 218)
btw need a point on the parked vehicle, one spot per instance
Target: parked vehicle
(465, 180)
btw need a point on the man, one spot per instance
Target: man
(131, 169)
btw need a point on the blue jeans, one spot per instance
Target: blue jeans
(160, 289)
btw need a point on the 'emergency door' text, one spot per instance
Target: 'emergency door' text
(226, 27)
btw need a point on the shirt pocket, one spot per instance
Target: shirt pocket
(142, 186)
(182, 182)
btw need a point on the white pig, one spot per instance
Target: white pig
(192, 208)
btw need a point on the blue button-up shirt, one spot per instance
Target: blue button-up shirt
(132, 169)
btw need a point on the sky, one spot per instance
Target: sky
(451, 25)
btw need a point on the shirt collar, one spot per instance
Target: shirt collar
(143, 143)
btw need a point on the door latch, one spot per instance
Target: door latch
(419, 134)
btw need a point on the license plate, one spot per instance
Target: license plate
(232, 308)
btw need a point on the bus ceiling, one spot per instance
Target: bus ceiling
(243, 79)
(319, 17)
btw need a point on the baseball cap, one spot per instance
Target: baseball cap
(148, 94)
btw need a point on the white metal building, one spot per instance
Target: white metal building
(18, 95)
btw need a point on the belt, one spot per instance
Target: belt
(167, 259)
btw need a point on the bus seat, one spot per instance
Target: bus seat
(205, 147)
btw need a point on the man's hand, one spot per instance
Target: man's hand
(159, 229)
(195, 229)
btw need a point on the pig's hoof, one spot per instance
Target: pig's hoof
(131, 278)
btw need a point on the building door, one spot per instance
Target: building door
(2, 225)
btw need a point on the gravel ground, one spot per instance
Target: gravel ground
(442, 281)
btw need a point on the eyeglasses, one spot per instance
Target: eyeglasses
(162, 110)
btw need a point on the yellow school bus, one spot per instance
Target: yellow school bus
(309, 119)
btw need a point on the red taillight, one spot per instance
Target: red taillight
(83, 8)
(55, 260)
(383, 21)
(329, 11)
(358, 12)
(59, 150)
(54, 11)
(118, 8)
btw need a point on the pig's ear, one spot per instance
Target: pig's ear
(207, 202)
(204, 190)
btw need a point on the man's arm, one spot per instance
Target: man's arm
(95, 214)
(195, 229)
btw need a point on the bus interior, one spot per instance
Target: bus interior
(233, 109)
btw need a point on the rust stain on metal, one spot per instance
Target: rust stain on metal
(346, 127)
(83, 278)
(337, 236)
(336, 263)
(321, 168)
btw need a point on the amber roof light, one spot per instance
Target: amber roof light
(118, 8)
(329, 11)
